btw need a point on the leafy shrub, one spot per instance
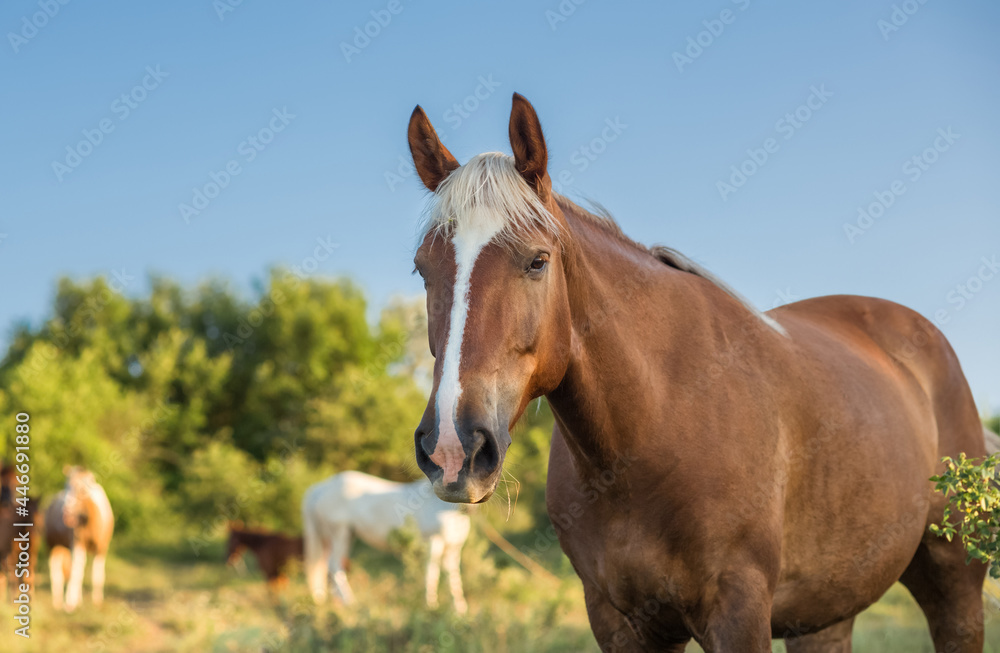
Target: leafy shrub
(975, 499)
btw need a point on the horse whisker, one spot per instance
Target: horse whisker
(517, 491)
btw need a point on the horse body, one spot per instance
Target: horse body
(272, 550)
(354, 503)
(715, 489)
(77, 522)
(716, 473)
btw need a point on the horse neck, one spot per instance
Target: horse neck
(617, 295)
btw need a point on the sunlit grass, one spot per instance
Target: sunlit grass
(167, 600)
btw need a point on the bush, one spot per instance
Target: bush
(975, 498)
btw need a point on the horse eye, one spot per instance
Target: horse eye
(538, 263)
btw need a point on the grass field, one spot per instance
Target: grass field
(163, 599)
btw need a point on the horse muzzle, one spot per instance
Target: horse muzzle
(463, 466)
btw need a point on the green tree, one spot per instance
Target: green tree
(200, 405)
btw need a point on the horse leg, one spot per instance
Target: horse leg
(97, 578)
(74, 589)
(949, 592)
(611, 630)
(340, 544)
(452, 564)
(57, 566)
(316, 550)
(739, 617)
(434, 569)
(832, 639)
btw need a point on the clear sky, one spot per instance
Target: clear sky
(647, 107)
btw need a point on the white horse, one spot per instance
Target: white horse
(371, 508)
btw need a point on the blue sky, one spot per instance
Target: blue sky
(650, 108)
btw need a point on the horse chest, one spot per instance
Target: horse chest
(637, 577)
(624, 557)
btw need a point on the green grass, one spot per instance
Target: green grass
(161, 598)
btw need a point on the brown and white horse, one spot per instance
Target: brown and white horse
(77, 522)
(716, 473)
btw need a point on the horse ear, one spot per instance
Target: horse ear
(432, 160)
(531, 157)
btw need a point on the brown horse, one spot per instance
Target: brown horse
(18, 544)
(272, 550)
(77, 522)
(716, 473)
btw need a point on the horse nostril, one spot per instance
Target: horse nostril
(485, 452)
(423, 445)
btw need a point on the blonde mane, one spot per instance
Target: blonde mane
(487, 193)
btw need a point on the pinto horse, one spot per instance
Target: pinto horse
(716, 473)
(353, 503)
(77, 522)
(272, 550)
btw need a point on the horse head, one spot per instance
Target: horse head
(79, 485)
(493, 259)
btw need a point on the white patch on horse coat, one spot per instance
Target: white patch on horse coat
(469, 240)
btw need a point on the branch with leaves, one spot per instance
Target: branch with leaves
(974, 497)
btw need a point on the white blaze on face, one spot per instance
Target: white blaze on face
(469, 240)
